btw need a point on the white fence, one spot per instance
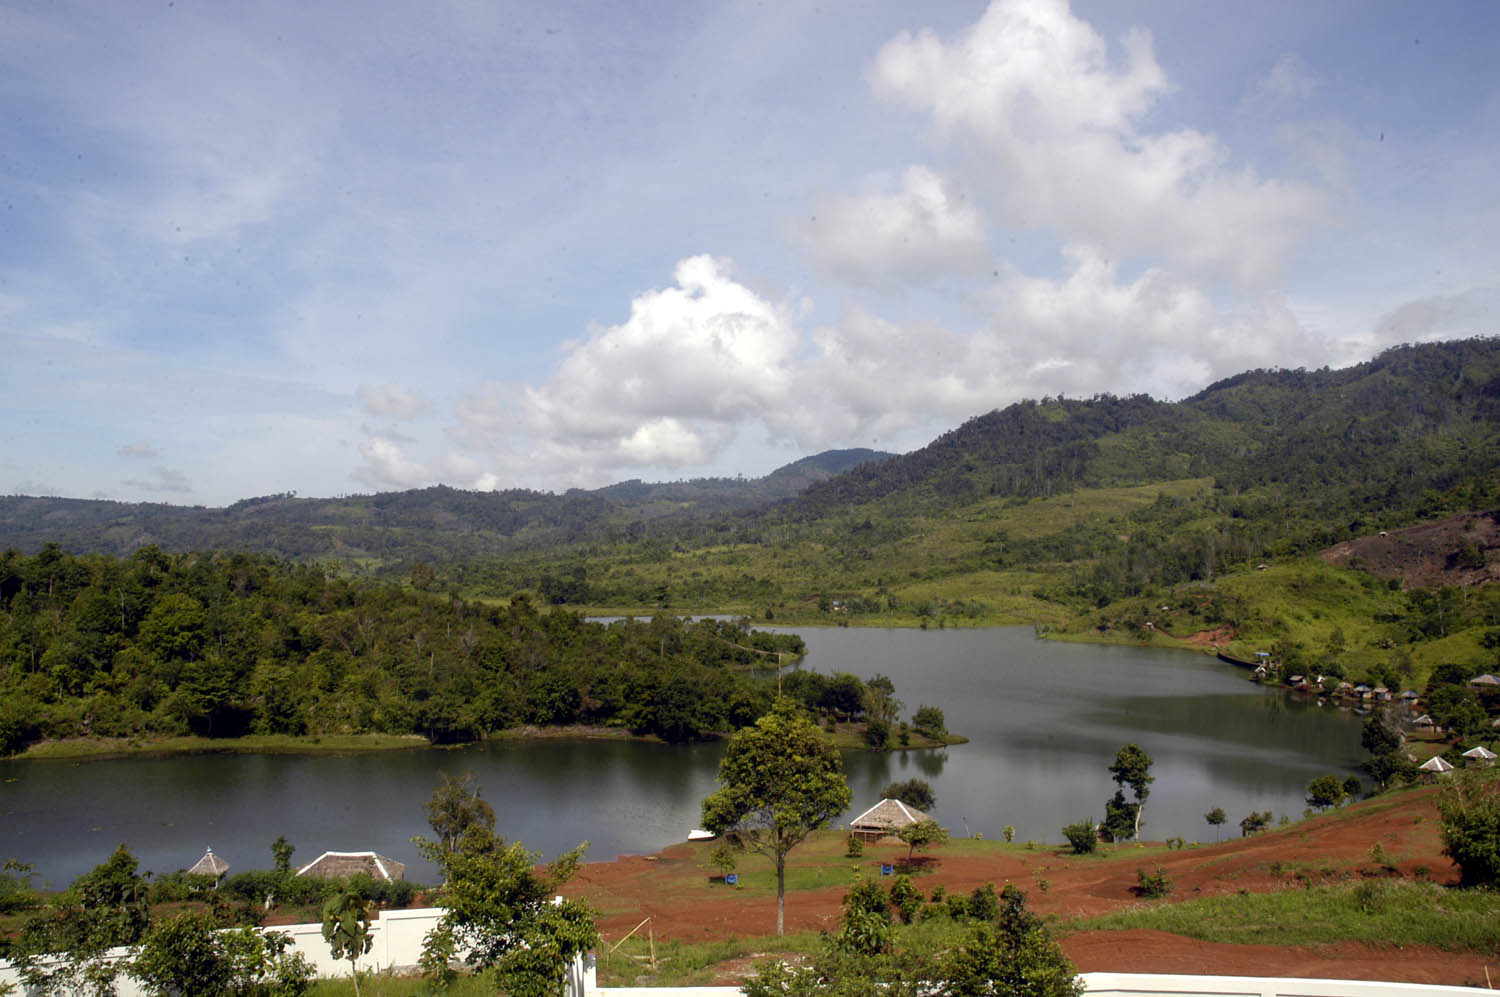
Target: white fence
(395, 943)
(397, 937)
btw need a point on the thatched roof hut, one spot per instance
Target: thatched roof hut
(331, 865)
(885, 818)
(1480, 757)
(1434, 767)
(209, 865)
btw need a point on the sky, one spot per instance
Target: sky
(343, 248)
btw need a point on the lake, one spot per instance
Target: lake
(1044, 721)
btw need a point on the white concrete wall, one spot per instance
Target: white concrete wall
(396, 942)
(398, 936)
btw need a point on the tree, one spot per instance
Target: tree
(62, 948)
(921, 834)
(1258, 821)
(1013, 956)
(1132, 767)
(1325, 791)
(913, 792)
(1216, 819)
(281, 854)
(1469, 812)
(455, 807)
(501, 913)
(189, 954)
(346, 929)
(781, 780)
(929, 720)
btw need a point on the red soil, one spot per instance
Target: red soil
(666, 888)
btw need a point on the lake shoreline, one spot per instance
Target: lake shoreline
(98, 749)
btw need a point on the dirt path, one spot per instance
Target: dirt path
(675, 890)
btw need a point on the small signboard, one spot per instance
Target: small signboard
(886, 868)
(732, 879)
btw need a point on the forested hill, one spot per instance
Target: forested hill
(1367, 439)
(438, 524)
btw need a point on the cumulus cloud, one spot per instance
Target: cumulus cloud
(1061, 127)
(163, 479)
(926, 228)
(386, 465)
(700, 364)
(389, 400)
(138, 449)
(665, 387)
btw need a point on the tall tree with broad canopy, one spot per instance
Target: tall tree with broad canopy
(781, 780)
(1132, 767)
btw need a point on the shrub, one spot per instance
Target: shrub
(1153, 884)
(906, 898)
(868, 896)
(1082, 836)
(1470, 810)
(854, 847)
(984, 903)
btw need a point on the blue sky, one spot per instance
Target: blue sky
(339, 247)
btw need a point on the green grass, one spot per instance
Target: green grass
(688, 964)
(1377, 912)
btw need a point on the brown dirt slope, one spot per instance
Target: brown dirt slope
(676, 889)
(1445, 552)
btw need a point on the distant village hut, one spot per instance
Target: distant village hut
(885, 819)
(331, 865)
(1433, 768)
(209, 865)
(1480, 757)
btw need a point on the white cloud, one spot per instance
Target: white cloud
(708, 363)
(926, 228)
(389, 400)
(138, 449)
(1060, 128)
(164, 479)
(387, 466)
(1288, 81)
(663, 388)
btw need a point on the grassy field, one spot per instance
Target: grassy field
(1376, 911)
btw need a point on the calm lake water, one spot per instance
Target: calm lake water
(1044, 721)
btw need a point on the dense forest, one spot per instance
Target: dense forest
(222, 645)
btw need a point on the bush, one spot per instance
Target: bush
(906, 898)
(854, 847)
(1470, 824)
(869, 897)
(1082, 836)
(1153, 884)
(984, 903)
